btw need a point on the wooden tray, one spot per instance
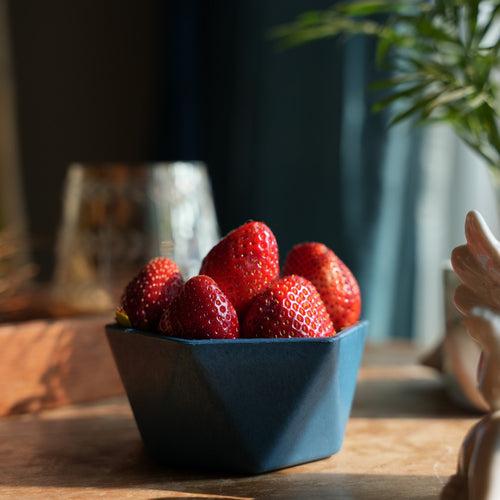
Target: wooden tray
(49, 363)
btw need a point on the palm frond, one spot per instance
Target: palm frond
(439, 53)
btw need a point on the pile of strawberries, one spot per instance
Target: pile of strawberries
(239, 292)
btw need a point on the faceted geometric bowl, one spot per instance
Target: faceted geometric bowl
(246, 406)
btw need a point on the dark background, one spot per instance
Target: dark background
(288, 136)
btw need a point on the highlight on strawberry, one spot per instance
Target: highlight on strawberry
(334, 281)
(290, 307)
(244, 263)
(148, 295)
(200, 310)
(239, 292)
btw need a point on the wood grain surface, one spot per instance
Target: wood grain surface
(402, 441)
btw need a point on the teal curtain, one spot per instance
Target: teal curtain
(289, 138)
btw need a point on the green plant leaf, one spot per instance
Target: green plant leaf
(371, 7)
(414, 109)
(483, 31)
(472, 9)
(309, 18)
(397, 95)
(448, 96)
(442, 69)
(427, 29)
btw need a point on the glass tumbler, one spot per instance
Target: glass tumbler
(116, 217)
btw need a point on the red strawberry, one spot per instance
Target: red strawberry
(331, 277)
(200, 311)
(149, 294)
(290, 307)
(243, 263)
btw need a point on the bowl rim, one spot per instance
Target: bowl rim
(360, 325)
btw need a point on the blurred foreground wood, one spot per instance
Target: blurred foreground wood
(54, 362)
(402, 441)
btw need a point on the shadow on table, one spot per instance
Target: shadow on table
(104, 452)
(405, 398)
(318, 485)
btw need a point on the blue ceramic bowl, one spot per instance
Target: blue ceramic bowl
(246, 406)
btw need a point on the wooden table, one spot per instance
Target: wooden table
(401, 442)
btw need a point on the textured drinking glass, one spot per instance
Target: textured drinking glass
(116, 217)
